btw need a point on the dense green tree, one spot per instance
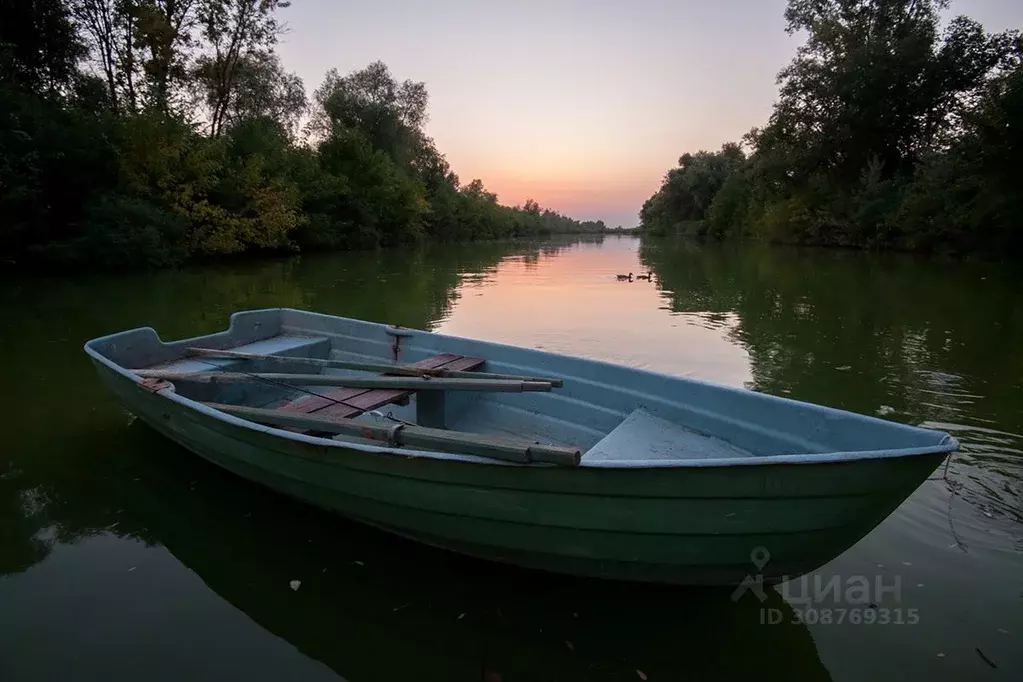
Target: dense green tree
(163, 35)
(369, 131)
(264, 90)
(39, 46)
(970, 195)
(53, 159)
(234, 33)
(142, 133)
(141, 48)
(876, 81)
(371, 103)
(877, 138)
(688, 191)
(105, 22)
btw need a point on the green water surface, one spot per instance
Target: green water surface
(123, 557)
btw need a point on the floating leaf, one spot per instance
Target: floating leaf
(295, 584)
(984, 658)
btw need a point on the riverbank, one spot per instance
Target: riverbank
(13, 271)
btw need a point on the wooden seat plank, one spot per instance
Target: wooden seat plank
(351, 402)
(464, 363)
(309, 404)
(382, 396)
(312, 403)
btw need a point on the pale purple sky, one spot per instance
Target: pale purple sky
(581, 105)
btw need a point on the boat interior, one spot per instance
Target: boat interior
(607, 412)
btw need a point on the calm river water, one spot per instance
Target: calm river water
(123, 557)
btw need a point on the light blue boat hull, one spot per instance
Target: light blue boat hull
(807, 483)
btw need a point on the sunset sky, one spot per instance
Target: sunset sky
(581, 105)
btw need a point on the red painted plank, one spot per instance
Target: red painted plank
(356, 401)
(353, 398)
(371, 400)
(339, 410)
(312, 403)
(351, 402)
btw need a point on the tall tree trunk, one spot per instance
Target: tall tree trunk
(98, 18)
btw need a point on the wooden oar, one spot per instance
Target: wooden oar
(382, 367)
(399, 383)
(508, 449)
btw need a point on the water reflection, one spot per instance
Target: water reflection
(22, 538)
(50, 479)
(572, 303)
(373, 607)
(909, 340)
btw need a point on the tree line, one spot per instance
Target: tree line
(892, 129)
(146, 133)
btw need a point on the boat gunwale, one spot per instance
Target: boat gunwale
(947, 444)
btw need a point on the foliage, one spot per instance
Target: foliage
(729, 205)
(969, 196)
(234, 33)
(688, 191)
(52, 160)
(142, 133)
(264, 90)
(372, 104)
(888, 132)
(39, 48)
(121, 232)
(387, 182)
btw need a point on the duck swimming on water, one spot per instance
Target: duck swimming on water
(648, 276)
(625, 277)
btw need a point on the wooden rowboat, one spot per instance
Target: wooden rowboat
(523, 456)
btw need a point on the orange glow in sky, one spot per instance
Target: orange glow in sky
(582, 105)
